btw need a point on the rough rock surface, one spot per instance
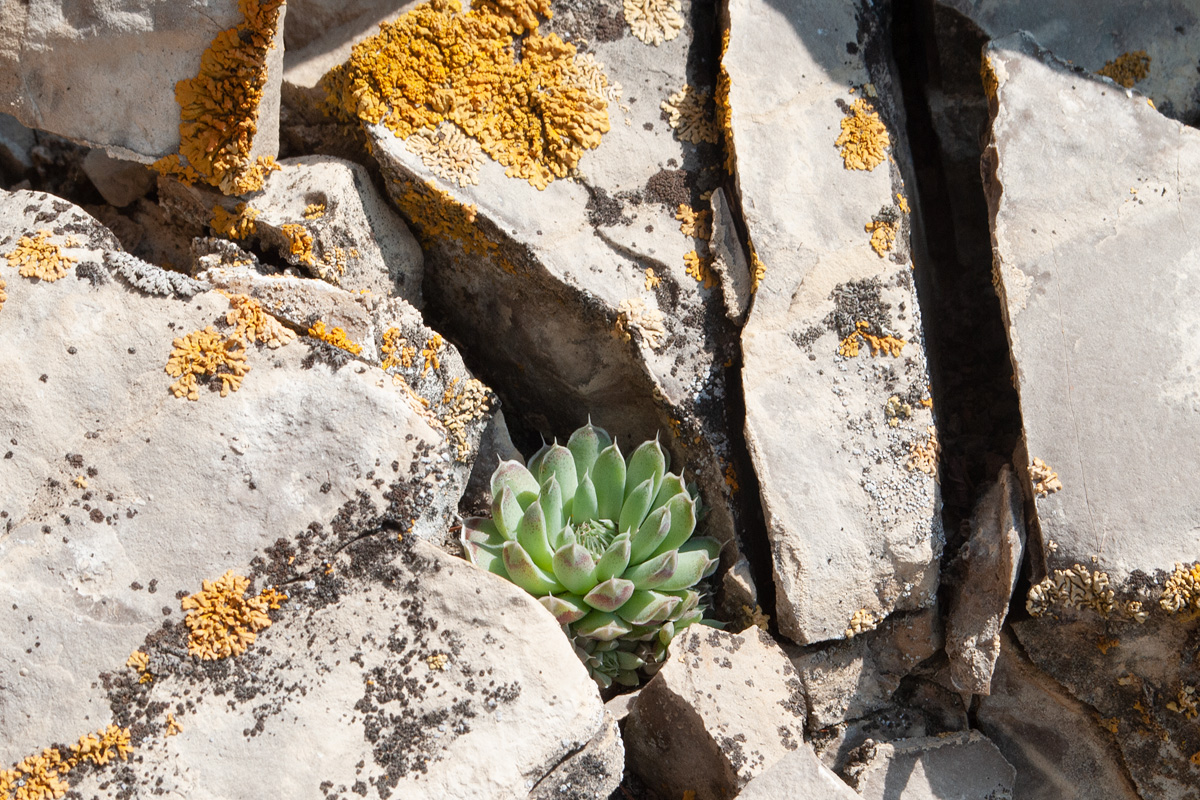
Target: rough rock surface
(119, 182)
(104, 74)
(799, 774)
(348, 235)
(1050, 738)
(723, 709)
(1092, 33)
(851, 679)
(990, 564)
(962, 766)
(854, 525)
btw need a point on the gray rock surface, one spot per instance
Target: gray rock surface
(723, 709)
(849, 680)
(965, 766)
(355, 240)
(119, 182)
(594, 771)
(1050, 738)
(1092, 33)
(990, 563)
(800, 775)
(855, 531)
(16, 145)
(105, 74)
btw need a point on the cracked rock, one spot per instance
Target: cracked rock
(964, 766)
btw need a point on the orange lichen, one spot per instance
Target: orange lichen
(1045, 480)
(864, 138)
(206, 354)
(697, 224)
(300, 243)
(237, 225)
(252, 323)
(755, 617)
(652, 280)
(436, 63)
(336, 337)
(862, 621)
(887, 344)
(1182, 590)
(690, 115)
(924, 455)
(700, 268)
(219, 107)
(438, 217)
(173, 726)
(430, 353)
(758, 270)
(1127, 68)
(38, 257)
(1111, 724)
(654, 21)
(883, 235)
(437, 661)
(448, 153)
(80, 482)
(222, 621)
(902, 203)
(139, 662)
(397, 352)
(1185, 702)
(314, 211)
(724, 110)
(469, 402)
(41, 777)
(3, 294)
(731, 479)
(988, 75)
(1105, 644)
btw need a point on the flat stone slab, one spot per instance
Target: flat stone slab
(964, 766)
(855, 530)
(798, 774)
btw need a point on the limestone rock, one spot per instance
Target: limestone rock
(799, 774)
(105, 74)
(16, 145)
(963, 766)
(842, 443)
(594, 771)
(729, 261)
(1050, 738)
(323, 217)
(851, 679)
(120, 182)
(1094, 33)
(990, 565)
(723, 709)
(117, 495)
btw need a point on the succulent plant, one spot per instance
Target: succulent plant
(604, 542)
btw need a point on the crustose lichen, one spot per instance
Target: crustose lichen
(222, 621)
(38, 257)
(206, 354)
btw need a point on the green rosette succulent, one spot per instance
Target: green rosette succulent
(604, 542)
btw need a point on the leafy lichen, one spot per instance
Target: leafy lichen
(206, 354)
(864, 138)
(690, 115)
(654, 21)
(38, 257)
(334, 336)
(222, 621)
(1127, 68)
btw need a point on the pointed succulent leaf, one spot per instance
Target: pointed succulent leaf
(626, 678)
(671, 485)
(532, 534)
(585, 445)
(602, 625)
(647, 462)
(637, 504)
(683, 523)
(485, 556)
(559, 462)
(650, 535)
(666, 633)
(585, 505)
(641, 633)
(689, 601)
(534, 464)
(609, 595)
(706, 543)
(654, 572)
(628, 661)
(602, 679)
(615, 559)
(566, 608)
(514, 475)
(608, 474)
(689, 619)
(551, 501)
(506, 511)
(575, 568)
(481, 529)
(689, 569)
(644, 607)
(526, 574)
(567, 537)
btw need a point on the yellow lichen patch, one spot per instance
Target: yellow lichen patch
(437, 661)
(895, 410)
(300, 242)
(902, 203)
(1182, 590)
(652, 280)
(222, 621)
(1105, 644)
(1110, 724)
(448, 153)
(1077, 587)
(654, 21)
(731, 479)
(237, 225)
(138, 661)
(336, 337)
(208, 354)
(690, 115)
(430, 353)
(861, 622)
(3, 294)
(697, 224)
(924, 455)
(41, 777)
(1185, 702)
(633, 313)
(38, 257)
(864, 138)
(397, 352)
(252, 323)
(80, 482)
(1127, 68)
(173, 726)
(883, 235)
(988, 75)
(314, 211)
(468, 403)
(755, 617)
(887, 344)
(1045, 480)
(436, 63)
(437, 217)
(758, 270)
(700, 268)
(219, 107)
(724, 110)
